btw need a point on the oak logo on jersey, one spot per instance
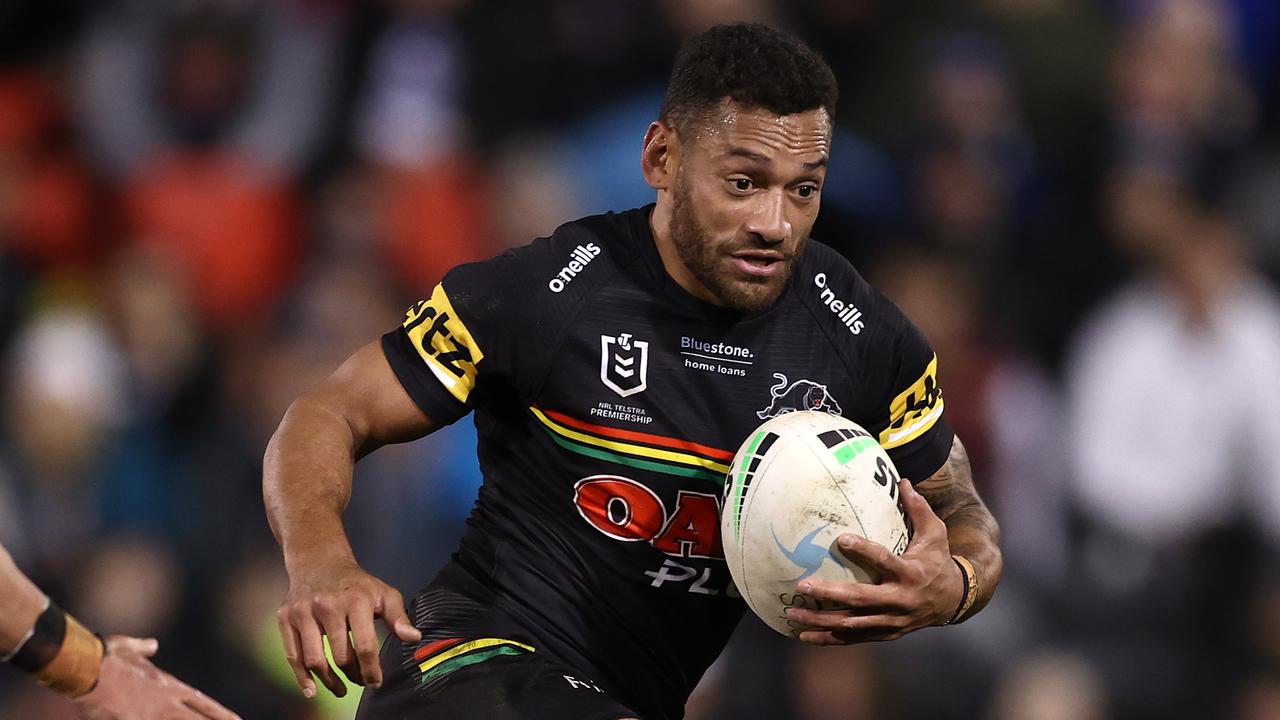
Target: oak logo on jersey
(624, 364)
(914, 410)
(626, 510)
(444, 343)
(799, 395)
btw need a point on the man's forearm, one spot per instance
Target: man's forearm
(306, 482)
(21, 602)
(972, 531)
(40, 638)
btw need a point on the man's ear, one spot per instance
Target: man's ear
(660, 157)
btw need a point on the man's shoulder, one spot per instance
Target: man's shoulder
(833, 289)
(543, 284)
(854, 314)
(578, 254)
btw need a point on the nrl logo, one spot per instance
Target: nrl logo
(624, 364)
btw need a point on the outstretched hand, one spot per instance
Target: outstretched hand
(340, 603)
(920, 588)
(131, 688)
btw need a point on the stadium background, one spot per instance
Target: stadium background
(205, 206)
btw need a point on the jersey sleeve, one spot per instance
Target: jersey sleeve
(893, 370)
(911, 425)
(473, 335)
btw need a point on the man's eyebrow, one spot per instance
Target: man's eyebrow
(748, 154)
(766, 160)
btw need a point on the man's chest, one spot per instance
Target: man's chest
(644, 372)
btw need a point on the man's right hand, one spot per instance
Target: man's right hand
(131, 688)
(340, 602)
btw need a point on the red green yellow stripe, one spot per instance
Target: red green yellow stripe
(621, 434)
(433, 648)
(592, 445)
(598, 454)
(464, 648)
(474, 658)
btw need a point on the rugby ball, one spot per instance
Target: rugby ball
(799, 481)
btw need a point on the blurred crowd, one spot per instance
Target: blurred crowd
(205, 205)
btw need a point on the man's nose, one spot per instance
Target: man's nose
(769, 221)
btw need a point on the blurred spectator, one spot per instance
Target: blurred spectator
(410, 116)
(1174, 409)
(1194, 343)
(535, 66)
(230, 228)
(155, 320)
(64, 404)
(536, 184)
(1177, 93)
(132, 584)
(1051, 687)
(436, 218)
(207, 109)
(251, 78)
(46, 199)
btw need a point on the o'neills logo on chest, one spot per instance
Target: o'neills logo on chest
(846, 312)
(582, 255)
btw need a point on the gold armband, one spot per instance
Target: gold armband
(63, 655)
(74, 671)
(970, 578)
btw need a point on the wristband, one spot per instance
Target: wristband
(970, 578)
(63, 655)
(43, 640)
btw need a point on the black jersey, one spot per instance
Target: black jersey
(609, 403)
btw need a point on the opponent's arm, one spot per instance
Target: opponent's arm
(924, 586)
(111, 681)
(21, 602)
(307, 473)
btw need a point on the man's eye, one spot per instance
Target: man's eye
(742, 184)
(807, 191)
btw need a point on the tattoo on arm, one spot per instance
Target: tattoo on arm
(972, 531)
(951, 492)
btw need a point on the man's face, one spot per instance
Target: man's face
(745, 196)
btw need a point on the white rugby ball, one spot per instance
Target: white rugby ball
(798, 482)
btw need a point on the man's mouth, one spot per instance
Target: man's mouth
(759, 263)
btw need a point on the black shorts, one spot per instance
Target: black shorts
(473, 665)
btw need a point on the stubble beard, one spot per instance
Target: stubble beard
(706, 260)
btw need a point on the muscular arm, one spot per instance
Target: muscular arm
(306, 484)
(972, 532)
(306, 474)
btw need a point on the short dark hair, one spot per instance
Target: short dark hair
(753, 65)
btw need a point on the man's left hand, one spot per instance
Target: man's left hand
(920, 588)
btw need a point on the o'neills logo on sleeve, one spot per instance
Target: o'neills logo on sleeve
(846, 312)
(582, 255)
